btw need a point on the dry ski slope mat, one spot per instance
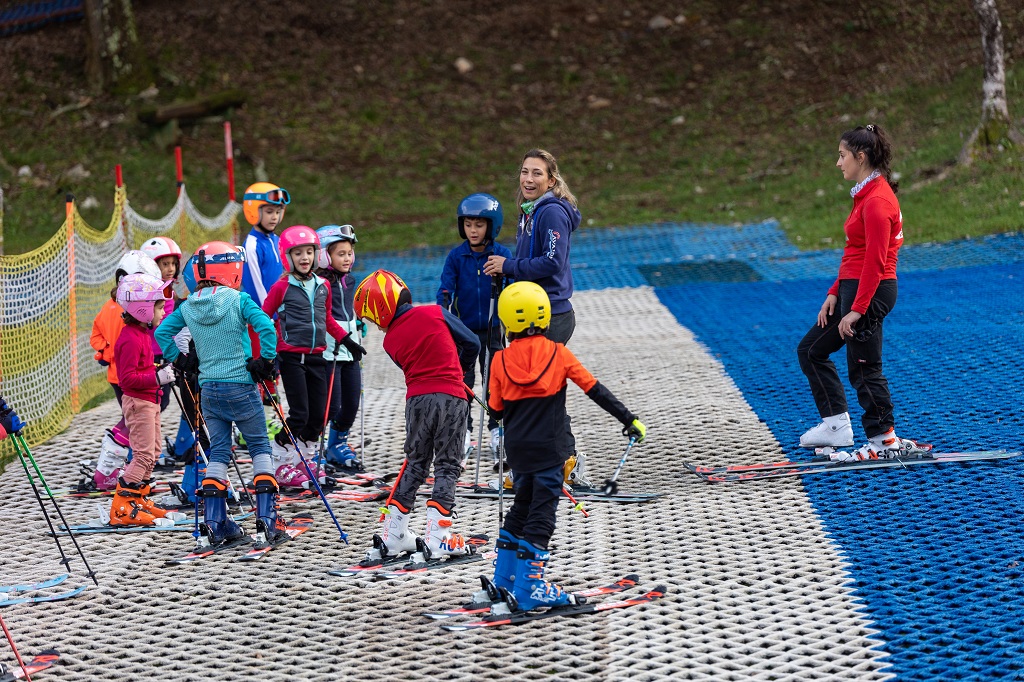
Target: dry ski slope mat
(755, 589)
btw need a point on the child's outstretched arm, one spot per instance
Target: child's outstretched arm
(341, 334)
(466, 341)
(165, 333)
(260, 322)
(600, 394)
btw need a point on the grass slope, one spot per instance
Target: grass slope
(729, 113)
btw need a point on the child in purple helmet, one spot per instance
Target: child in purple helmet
(470, 294)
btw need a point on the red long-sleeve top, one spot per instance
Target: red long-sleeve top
(136, 373)
(874, 234)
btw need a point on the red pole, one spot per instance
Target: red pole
(229, 156)
(178, 169)
(118, 180)
(15, 649)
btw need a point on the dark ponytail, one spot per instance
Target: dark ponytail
(873, 141)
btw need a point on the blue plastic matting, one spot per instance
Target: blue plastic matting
(937, 552)
(670, 253)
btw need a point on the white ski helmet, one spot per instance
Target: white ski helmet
(136, 262)
(158, 247)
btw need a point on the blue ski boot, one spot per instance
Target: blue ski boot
(530, 589)
(339, 454)
(188, 482)
(270, 529)
(216, 527)
(505, 567)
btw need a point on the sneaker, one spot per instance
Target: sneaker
(832, 432)
(885, 446)
(290, 476)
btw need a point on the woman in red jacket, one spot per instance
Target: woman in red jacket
(856, 304)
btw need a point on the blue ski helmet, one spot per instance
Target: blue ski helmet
(481, 205)
(332, 234)
(188, 276)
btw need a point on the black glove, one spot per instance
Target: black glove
(187, 365)
(261, 369)
(353, 347)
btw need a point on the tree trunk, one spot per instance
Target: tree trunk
(115, 61)
(995, 128)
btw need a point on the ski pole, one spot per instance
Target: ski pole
(14, 648)
(610, 485)
(576, 504)
(196, 447)
(21, 446)
(320, 459)
(394, 486)
(305, 463)
(495, 289)
(201, 421)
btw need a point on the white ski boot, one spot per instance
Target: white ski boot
(832, 432)
(883, 446)
(394, 538)
(575, 471)
(439, 540)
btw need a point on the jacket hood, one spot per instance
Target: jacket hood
(211, 304)
(528, 358)
(548, 201)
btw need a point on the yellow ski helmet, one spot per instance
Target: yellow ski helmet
(523, 306)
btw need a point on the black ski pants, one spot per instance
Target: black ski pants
(863, 359)
(345, 395)
(533, 512)
(305, 383)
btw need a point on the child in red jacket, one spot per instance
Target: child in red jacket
(434, 349)
(142, 297)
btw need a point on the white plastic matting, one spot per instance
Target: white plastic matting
(755, 588)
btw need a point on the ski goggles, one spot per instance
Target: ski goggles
(346, 232)
(277, 197)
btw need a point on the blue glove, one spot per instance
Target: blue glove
(10, 421)
(361, 327)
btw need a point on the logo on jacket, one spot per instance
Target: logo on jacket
(553, 238)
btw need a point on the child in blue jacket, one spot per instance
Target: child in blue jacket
(468, 293)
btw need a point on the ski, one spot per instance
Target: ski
(41, 585)
(184, 525)
(44, 598)
(581, 494)
(296, 527)
(41, 662)
(365, 567)
(433, 564)
(210, 550)
(520, 617)
(474, 608)
(781, 469)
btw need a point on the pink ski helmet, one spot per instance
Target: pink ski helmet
(158, 247)
(137, 294)
(295, 236)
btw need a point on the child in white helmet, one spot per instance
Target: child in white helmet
(301, 300)
(337, 258)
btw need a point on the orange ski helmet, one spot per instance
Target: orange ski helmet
(220, 262)
(376, 297)
(261, 194)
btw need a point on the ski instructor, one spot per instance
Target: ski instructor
(547, 218)
(856, 305)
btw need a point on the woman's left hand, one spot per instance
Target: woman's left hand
(493, 265)
(847, 323)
